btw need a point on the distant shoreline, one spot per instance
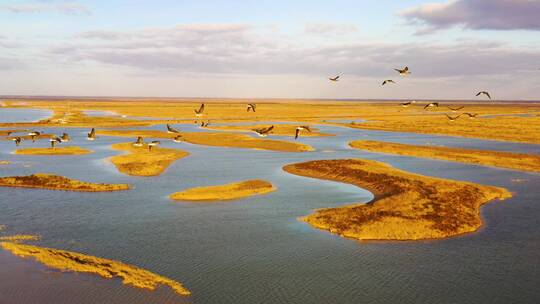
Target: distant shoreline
(245, 99)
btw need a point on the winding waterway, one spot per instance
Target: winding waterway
(255, 250)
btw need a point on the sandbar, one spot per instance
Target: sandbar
(19, 238)
(279, 130)
(56, 182)
(230, 191)
(217, 139)
(406, 206)
(139, 161)
(78, 262)
(518, 161)
(507, 122)
(68, 150)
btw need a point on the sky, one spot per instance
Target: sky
(271, 49)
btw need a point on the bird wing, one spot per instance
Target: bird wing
(487, 94)
(269, 129)
(406, 69)
(426, 105)
(296, 133)
(92, 132)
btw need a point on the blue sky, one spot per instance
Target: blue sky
(270, 48)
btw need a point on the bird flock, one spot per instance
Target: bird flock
(139, 142)
(406, 72)
(251, 107)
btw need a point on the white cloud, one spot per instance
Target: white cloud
(332, 29)
(63, 8)
(476, 14)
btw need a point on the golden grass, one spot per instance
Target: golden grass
(29, 138)
(4, 162)
(406, 206)
(76, 118)
(380, 116)
(8, 132)
(142, 162)
(19, 238)
(217, 139)
(519, 161)
(78, 262)
(279, 129)
(434, 121)
(225, 192)
(55, 182)
(66, 150)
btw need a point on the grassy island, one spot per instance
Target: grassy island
(55, 182)
(225, 192)
(279, 130)
(518, 161)
(19, 238)
(140, 161)
(406, 206)
(217, 139)
(78, 262)
(69, 150)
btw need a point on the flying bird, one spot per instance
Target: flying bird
(91, 135)
(17, 140)
(453, 118)
(200, 111)
(55, 140)
(153, 144)
(139, 142)
(203, 124)
(334, 79)
(471, 115)
(484, 93)
(388, 81)
(456, 109)
(251, 106)
(431, 104)
(403, 72)
(33, 135)
(178, 138)
(301, 128)
(65, 137)
(263, 132)
(171, 129)
(406, 104)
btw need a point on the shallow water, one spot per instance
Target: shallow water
(255, 250)
(23, 115)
